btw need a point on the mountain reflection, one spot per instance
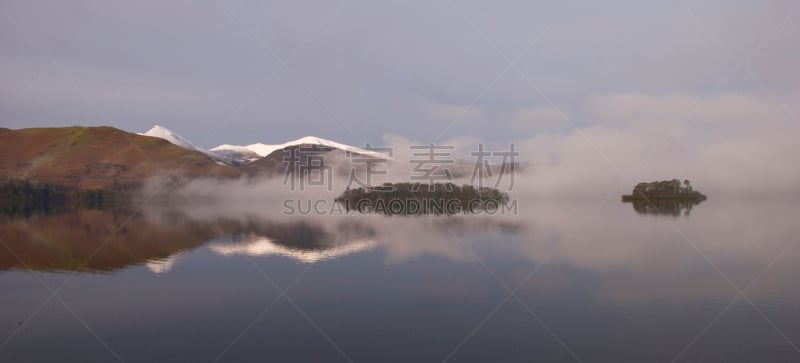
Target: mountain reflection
(625, 252)
(254, 245)
(95, 240)
(303, 241)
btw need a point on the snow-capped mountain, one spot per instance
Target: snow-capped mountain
(263, 150)
(235, 155)
(239, 154)
(171, 136)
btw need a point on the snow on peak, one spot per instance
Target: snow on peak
(266, 149)
(234, 154)
(169, 135)
(175, 139)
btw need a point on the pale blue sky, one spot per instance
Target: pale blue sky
(241, 71)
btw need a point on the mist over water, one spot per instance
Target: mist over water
(575, 264)
(601, 236)
(591, 276)
(595, 96)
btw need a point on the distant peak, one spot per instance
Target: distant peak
(171, 136)
(312, 140)
(263, 150)
(159, 128)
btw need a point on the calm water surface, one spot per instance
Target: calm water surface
(612, 284)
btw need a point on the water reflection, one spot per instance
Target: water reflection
(96, 240)
(302, 241)
(615, 287)
(82, 240)
(667, 207)
(254, 245)
(162, 265)
(630, 253)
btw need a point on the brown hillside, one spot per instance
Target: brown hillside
(97, 157)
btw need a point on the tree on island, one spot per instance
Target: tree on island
(666, 189)
(416, 198)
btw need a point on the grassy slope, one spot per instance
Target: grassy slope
(97, 157)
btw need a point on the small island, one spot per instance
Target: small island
(664, 190)
(668, 197)
(423, 199)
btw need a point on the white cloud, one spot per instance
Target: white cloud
(728, 142)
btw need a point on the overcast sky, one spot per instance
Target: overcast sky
(613, 78)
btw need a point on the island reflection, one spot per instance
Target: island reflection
(665, 207)
(623, 251)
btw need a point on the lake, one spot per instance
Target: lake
(579, 280)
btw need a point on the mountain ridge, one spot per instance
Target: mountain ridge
(243, 154)
(178, 140)
(264, 150)
(97, 157)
